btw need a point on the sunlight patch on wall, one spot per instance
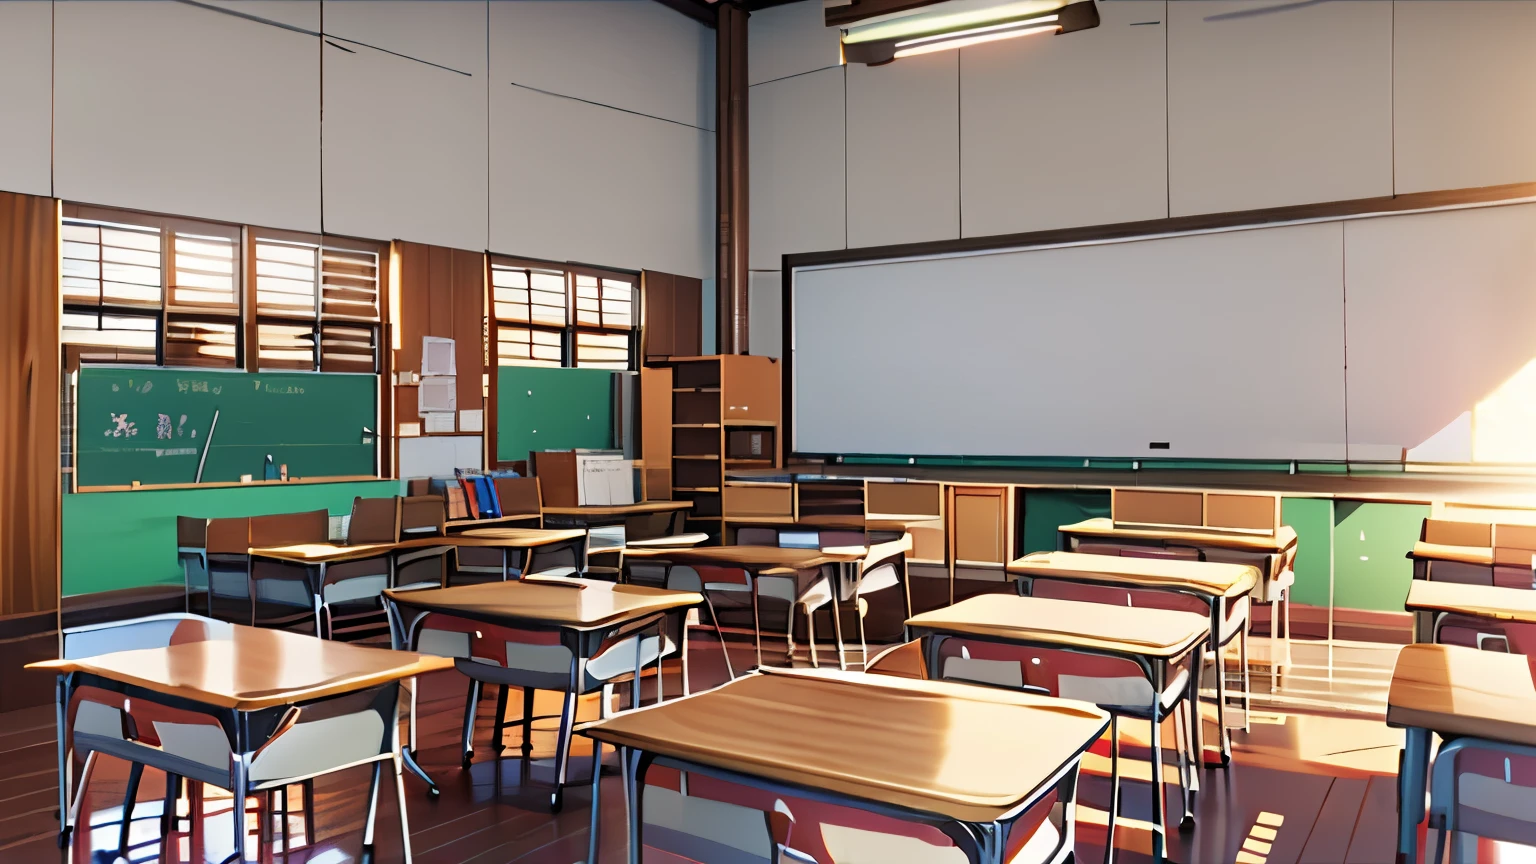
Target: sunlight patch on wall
(1504, 424)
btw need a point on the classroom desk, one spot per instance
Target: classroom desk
(610, 514)
(1156, 640)
(585, 615)
(529, 540)
(969, 758)
(1217, 585)
(1429, 601)
(775, 562)
(1453, 692)
(248, 683)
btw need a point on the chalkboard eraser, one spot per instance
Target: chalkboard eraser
(245, 478)
(135, 485)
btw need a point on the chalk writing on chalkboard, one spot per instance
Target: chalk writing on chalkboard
(122, 428)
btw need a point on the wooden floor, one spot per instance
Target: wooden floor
(1305, 786)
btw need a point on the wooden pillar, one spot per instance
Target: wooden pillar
(731, 175)
(29, 405)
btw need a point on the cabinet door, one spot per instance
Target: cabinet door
(687, 317)
(751, 389)
(979, 525)
(660, 334)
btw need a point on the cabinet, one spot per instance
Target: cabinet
(673, 315)
(724, 414)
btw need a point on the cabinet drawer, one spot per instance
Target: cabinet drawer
(758, 499)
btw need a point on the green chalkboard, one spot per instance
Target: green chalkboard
(151, 425)
(539, 408)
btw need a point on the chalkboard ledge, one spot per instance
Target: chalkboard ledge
(292, 481)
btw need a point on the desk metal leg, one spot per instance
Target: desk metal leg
(1159, 804)
(1186, 770)
(373, 806)
(409, 759)
(567, 726)
(238, 810)
(1114, 787)
(1411, 780)
(597, 778)
(66, 755)
(405, 827)
(631, 760)
(470, 707)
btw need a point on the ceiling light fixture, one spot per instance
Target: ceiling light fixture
(889, 36)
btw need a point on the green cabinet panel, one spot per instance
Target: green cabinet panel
(1313, 520)
(540, 408)
(1370, 544)
(128, 539)
(1046, 510)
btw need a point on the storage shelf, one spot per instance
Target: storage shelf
(695, 489)
(766, 424)
(711, 457)
(695, 425)
(695, 389)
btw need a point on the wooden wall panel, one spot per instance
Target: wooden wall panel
(29, 404)
(442, 293)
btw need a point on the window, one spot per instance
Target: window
(317, 304)
(123, 304)
(158, 290)
(546, 315)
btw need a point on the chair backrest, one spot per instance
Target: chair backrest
(518, 496)
(287, 529)
(422, 515)
(374, 520)
(191, 532)
(229, 536)
(155, 631)
(1447, 532)
(1483, 788)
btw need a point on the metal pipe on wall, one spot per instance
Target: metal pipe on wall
(731, 194)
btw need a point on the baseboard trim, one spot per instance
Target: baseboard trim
(82, 610)
(1351, 625)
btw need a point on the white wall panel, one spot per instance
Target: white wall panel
(1290, 106)
(1226, 345)
(1441, 312)
(405, 140)
(572, 181)
(1064, 131)
(790, 40)
(904, 151)
(765, 310)
(26, 98)
(632, 54)
(178, 109)
(798, 185)
(1465, 94)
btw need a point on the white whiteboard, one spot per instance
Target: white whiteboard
(1226, 345)
(1442, 310)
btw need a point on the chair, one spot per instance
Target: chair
(1482, 789)
(707, 580)
(306, 742)
(883, 566)
(1117, 685)
(282, 594)
(519, 496)
(1485, 634)
(349, 590)
(422, 516)
(192, 555)
(535, 660)
(227, 557)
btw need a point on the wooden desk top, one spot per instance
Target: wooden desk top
(257, 668)
(751, 557)
(1161, 633)
(1103, 526)
(514, 537)
(329, 553)
(676, 541)
(459, 524)
(580, 604)
(1483, 601)
(970, 753)
(1462, 691)
(618, 509)
(1204, 577)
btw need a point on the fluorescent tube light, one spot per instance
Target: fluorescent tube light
(940, 32)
